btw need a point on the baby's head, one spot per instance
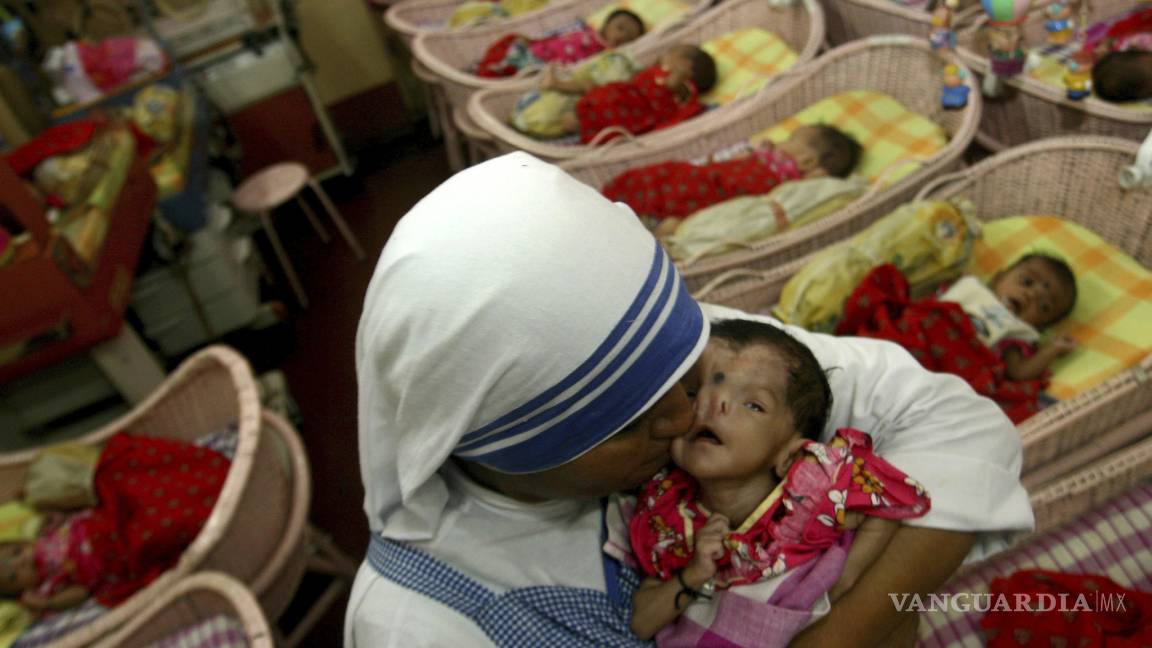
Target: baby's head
(1123, 76)
(17, 568)
(690, 63)
(1039, 289)
(822, 150)
(620, 27)
(758, 392)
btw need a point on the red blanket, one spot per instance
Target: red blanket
(639, 105)
(939, 334)
(1068, 610)
(155, 495)
(679, 189)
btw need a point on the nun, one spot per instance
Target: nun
(518, 359)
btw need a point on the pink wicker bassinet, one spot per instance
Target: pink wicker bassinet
(800, 25)
(449, 55)
(256, 531)
(1031, 109)
(1077, 178)
(189, 602)
(902, 67)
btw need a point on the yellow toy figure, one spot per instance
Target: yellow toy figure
(942, 37)
(1060, 24)
(1078, 78)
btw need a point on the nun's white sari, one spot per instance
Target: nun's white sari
(518, 319)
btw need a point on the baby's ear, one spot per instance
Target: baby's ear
(787, 454)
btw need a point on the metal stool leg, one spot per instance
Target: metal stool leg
(285, 262)
(321, 231)
(345, 231)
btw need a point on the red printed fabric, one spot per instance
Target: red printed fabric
(939, 335)
(497, 60)
(155, 495)
(639, 105)
(54, 140)
(1138, 23)
(1073, 610)
(680, 189)
(790, 530)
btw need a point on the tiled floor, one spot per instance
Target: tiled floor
(320, 363)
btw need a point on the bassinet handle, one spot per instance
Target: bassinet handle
(725, 277)
(595, 152)
(940, 181)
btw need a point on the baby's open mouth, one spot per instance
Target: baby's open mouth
(1014, 305)
(707, 436)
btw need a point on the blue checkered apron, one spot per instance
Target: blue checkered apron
(531, 617)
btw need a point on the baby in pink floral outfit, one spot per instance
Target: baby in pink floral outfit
(761, 400)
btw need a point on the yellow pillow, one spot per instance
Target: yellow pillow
(745, 60)
(886, 129)
(1114, 303)
(653, 12)
(928, 241)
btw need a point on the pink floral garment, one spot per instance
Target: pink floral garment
(803, 517)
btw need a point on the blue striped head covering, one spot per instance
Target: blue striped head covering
(516, 319)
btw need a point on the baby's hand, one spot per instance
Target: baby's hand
(34, 601)
(548, 77)
(1063, 344)
(709, 549)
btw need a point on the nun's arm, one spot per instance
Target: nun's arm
(917, 561)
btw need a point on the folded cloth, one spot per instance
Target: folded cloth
(939, 335)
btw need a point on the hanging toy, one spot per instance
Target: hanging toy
(955, 94)
(942, 38)
(1078, 78)
(1060, 24)
(1005, 38)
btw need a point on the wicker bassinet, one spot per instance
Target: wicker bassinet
(411, 18)
(902, 67)
(189, 602)
(1031, 109)
(850, 20)
(800, 25)
(1077, 178)
(448, 55)
(256, 531)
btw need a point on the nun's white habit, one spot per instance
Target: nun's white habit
(517, 319)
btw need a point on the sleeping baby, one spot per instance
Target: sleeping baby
(515, 52)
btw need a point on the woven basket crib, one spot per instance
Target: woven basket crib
(1075, 177)
(411, 18)
(850, 20)
(256, 528)
(448, 55)
(800, 25)
(188, 602)
(902, 67)
(1031, 109)
(1087, 488)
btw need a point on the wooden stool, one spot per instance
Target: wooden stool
(275, 185)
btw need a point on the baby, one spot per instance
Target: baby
(513, 53)
(987, 335)
(657, 97)
(669, 191)
(761, 401)
(1124, 69)
(1034, 293)
(1123, 76)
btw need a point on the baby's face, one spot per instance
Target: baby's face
(801, 146)
(620, 30)
(678, 63)
(17, 567)
(742, 418)
(1034, 292)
